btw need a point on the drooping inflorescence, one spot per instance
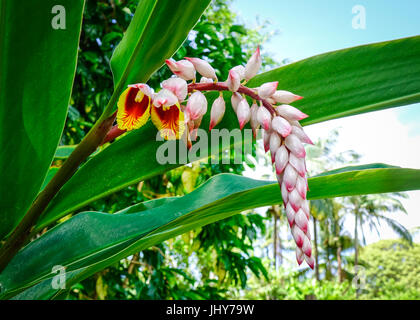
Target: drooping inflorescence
(178, 108)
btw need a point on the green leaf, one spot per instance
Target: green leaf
(37, 64)
(133, 157)
(352, 81)
(158, 29)
(90, 241)
(63, 152)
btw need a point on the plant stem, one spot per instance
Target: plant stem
(221, 86)
(21, 233)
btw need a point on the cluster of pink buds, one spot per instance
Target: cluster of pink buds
(270, 110)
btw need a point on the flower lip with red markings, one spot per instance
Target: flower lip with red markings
(134, 107)
(169, 120)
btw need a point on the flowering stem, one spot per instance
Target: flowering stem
(221, 86)
(216, 86)
(21, 233)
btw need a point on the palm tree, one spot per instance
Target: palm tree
(371, 210)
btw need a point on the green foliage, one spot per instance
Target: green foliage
(392, 270)
(104, 239)
(292, 286)
(37, 71)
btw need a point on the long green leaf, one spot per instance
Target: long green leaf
(37, 63)
(334, 84)
(353, 81)
(90, 241)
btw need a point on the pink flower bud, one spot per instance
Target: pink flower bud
(299, 256)
(295, 146)
(233, 81)
(290, 113)
(264, 117)
(267, 89)
(298, 164)
(306, 247)
(165, 98)
(178, 87)
(217, 111)
(274, 145)
(240, 70)
(235, 99)
(301, 187)
(295, 200)
(295, 123)
(301, 220)
(253, 65)
(281, 96)
(301, 135)
(305, 208)
(310, 261)
(203, 67)
(194, 128)
(206, 80)
(281, 159)
(282, 126)
(290, 213)
(266, 138)
(196, 105)
(254, 121)
(243, 112)
(183, 69)
(284, 194)
(298, 235)
(290, 177)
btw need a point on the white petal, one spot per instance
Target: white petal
(295, 146)
(295, 200)
(298, 164)
(301, 220)
(243, 112)
(281, 96)
(196, 105)
(233, 81)
(282, 126)
(290, 113)
(203, 67)
(253, 65)
(217, 111)
(264, 117)
(301, 135)
(281, 159)
(178, 87)
(266, 90)
(235, 99)
(274, 144)
(165, 98)
(290, 213)
(240, 70)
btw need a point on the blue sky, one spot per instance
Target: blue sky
(309, 27)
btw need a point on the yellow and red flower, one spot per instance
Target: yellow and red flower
(136, 105)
